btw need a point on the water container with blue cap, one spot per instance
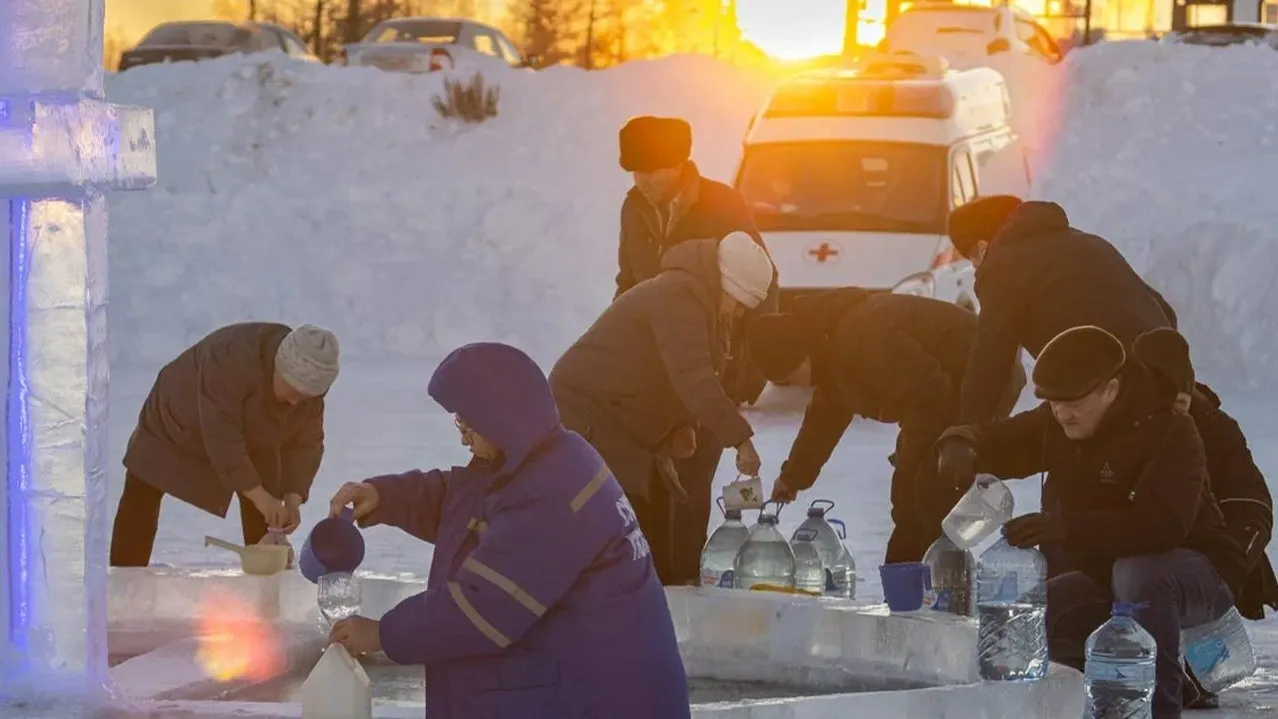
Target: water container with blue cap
(334, 545)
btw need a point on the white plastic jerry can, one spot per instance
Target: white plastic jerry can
(337, 688)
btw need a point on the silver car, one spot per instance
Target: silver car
(423, 44)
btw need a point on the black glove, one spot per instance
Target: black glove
(956, 463)
(1032, 530)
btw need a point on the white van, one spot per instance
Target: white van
(851, 173)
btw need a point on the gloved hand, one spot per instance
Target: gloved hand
(783, 493)
(1032, 530)
(956, 463)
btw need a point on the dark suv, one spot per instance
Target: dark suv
(179, 41)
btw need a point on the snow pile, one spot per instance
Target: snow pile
(334, 195)
(1169, 152)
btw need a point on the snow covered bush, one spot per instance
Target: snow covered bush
(468, 100)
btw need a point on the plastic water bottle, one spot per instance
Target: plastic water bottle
(840, 568)
(1011, 607)
(809, 570)
(953, 577)
(1119, 671)
(1219, 653)
(721, 549)
(765, 557)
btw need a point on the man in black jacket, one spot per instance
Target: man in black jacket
(890, 358)
(671, 203)
(1037, 277)
(1134, 510)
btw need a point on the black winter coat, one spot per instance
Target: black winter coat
(1138, 487)
(1244, 498)
(887, 357)
(212, 425)
(1039, 278)
(703, 210)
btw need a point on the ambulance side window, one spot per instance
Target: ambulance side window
(962, 178)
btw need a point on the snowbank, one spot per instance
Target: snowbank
(1170, 152)
(335, 195)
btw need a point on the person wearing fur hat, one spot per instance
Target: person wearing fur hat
(648, 371)
(239, 413)
(1036, 277)
(886, 357)
(672, 203)
(1134, 509)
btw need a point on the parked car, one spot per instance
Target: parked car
(964, 32)
(1226, 35)
(180, 41)
(422, 44)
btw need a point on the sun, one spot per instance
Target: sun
(793, 29)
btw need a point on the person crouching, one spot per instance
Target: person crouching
(1134, 510)
(542, 600)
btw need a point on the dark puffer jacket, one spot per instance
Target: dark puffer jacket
(1039, 278)
(1138, 487)
(650, 363)
(212, 425)
(887, 357)
(1244, 498)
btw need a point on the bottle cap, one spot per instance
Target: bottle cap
(732, 514)
(1124, 609)
(819, 507)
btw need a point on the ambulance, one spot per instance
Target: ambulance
(851, 173)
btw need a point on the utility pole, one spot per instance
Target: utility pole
(850, 23)
(252, 10)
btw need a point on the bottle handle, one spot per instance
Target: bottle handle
(816, 502)
(764, 507)
(722, 507)
(843, 528)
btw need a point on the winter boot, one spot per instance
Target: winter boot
(1192, 694)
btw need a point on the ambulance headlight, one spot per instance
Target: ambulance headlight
(921, 284)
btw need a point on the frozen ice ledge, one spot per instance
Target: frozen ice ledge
(59, 145)
(857, 659)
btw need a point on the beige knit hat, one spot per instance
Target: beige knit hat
(745, 269)
(307, 359)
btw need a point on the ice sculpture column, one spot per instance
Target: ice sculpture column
(61, 148)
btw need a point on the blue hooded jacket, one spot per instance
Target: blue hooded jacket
(542, 600)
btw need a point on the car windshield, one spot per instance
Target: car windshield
(440, 32)
(846, 186)
(205, 34)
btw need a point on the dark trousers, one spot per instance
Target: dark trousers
(919, 502)
(676, 531)
(1182, 589)
(138, 517)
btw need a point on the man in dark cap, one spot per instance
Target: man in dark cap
(669, 204)
(1134, 511)
(1037, 277)
(887, 357)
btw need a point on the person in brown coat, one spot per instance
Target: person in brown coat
(644, 386)
(241, 412)
(1134, 513)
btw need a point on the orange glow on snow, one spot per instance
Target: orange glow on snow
(234, 642)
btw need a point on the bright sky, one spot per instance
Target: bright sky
(793, 29)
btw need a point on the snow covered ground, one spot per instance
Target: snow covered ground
(334, 195)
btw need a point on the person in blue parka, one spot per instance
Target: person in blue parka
(542, 600)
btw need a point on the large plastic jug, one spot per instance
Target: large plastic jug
(1219, 652)
(721, 549)
(334, 545)
(1118, 675)
(1011, 609)
(765, 558)
(337, 688)
(953, 573)
(840, 568)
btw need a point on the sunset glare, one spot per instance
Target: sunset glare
(793, 29)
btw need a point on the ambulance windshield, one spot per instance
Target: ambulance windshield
(846, 186)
